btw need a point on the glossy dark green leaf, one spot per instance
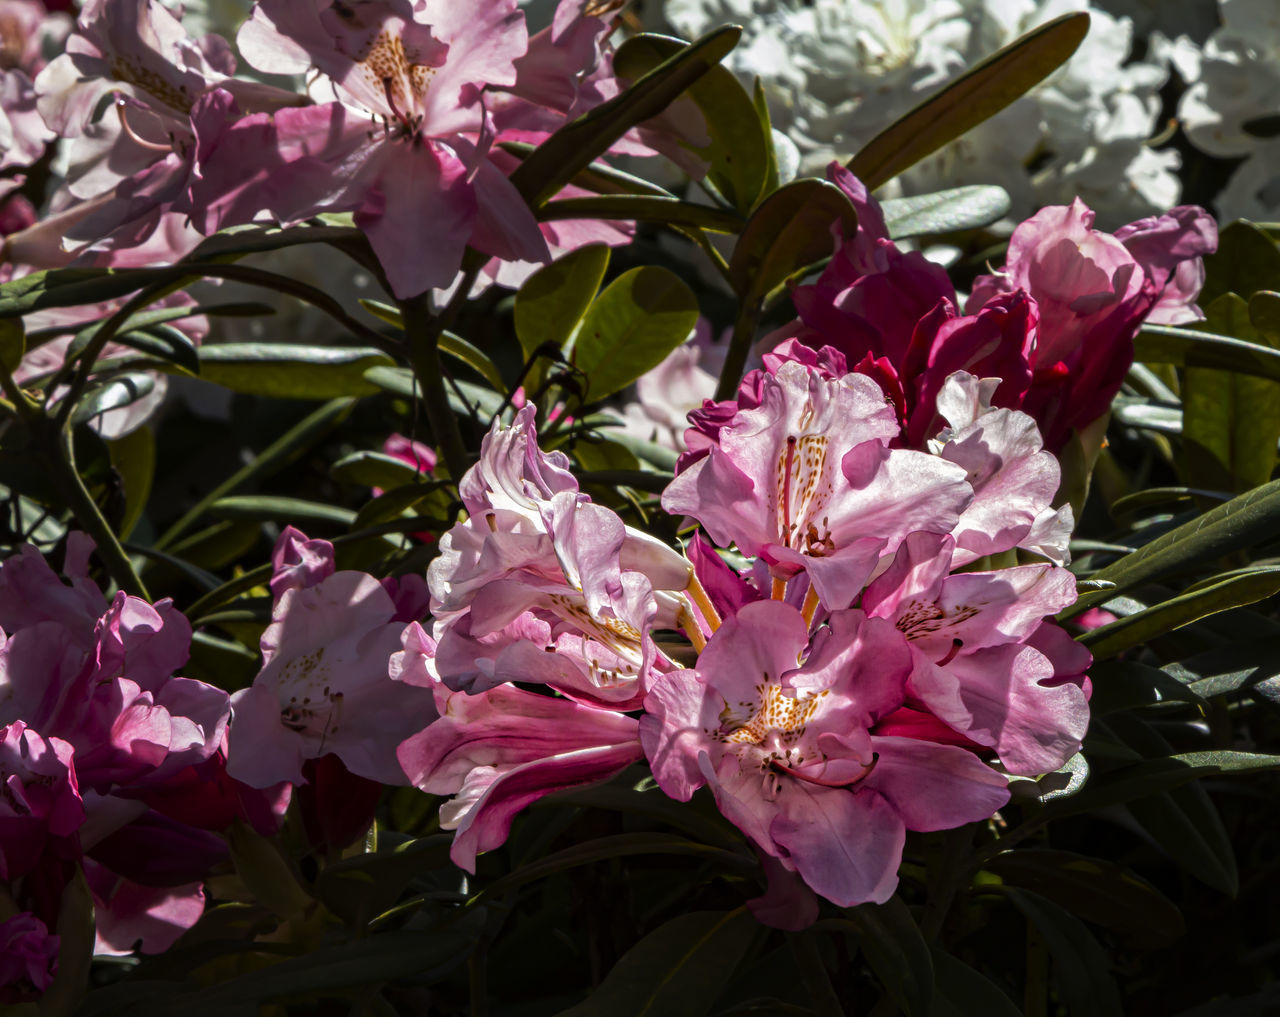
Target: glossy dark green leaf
(1264, 314)
(1231, 422)
(950, 211)
(678, 970)
(578, 143)
(1229, 668)
(74, 287)
(373, 469)
(1149, 416)
(1096, 890)
(1185, 825)
(631, 327)
(552, 301)
(361, 887)
(1245, 262)
(272, 508)
(897, 953)
(1184, 347)
(164, 342)
(772, 179)
(1080, 965)
(960, 991)
(974, 96)
(790, 230)
(254, 239)
(1240, 523)
(1237, 590)
(1125, 685)
(13, 343)
(730, 138)
(113, 393)
(288, 371)
(642, 208)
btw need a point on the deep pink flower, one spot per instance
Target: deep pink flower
(28, 958)
(499, 750)
(788, 751)
(130, 916)
(41, 809)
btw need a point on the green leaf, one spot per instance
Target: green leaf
(1096, 890)
(1264, 313)
(1231, 422)
(1183, 347)
(1245, 262)
(373, 469)
(114, 393)
(13, 343)
(678, 970)
(974, 96)
(730, 139)
(284, 450)
(1125, 685)
(1227, 669)
(1237, 590)
(253, 239)
(74, 287)
(1185, 825)
(960, 991)
(288, 371)
(1080, 965)
(631, 327)
(553, 300)
(270, 508)
(358, 889)
(772, 177)
(642, 208)
(575, 145)
(788, 231)
(1245, 520)
(134, 458)
(896, 952)
(950, 211)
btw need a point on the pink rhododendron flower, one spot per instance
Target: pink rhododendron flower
(42, 808)
(807, 481)
(499, 750)
(130, 916)
(791, 755)
(324, 686)
(28, 958)
(1056, 326)
(539, 584)
(406, 145)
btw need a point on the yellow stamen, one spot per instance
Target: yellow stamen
(779, 588)
(691, 629)
(703, 602)
(810, 605)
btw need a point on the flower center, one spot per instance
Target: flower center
(803, 491)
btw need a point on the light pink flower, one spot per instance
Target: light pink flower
(131, 916)
(501, 749)
(807, 481)
(784, 739)
(324, 686)
(28, 958)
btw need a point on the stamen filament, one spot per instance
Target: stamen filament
(810, 605)
(703, 602)
(691, 629)
(779, 590)
(132, 135)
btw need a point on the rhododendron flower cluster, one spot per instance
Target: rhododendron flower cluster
(853, 685)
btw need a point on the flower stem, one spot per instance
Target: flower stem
(422, 331)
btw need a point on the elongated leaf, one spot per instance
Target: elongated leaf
(1185, 825)
(254, 239)
(960, 991)
(1240, 523)
(274, 457)
(974, 96)
(1096, 890)
(1228, 668)
(74, 287)
(578, 143)
(733, 141)
(1236, 591)
(373, 469)
(678, 970)
(1264, 314)
(788, 231)
(897, 953)
(286, 371)
(1245, 262)
(642, 208)
(630, 328)
(134, 457)
(113, 394)
(1231, 422)
(772, 179)
(270, 508)
(961, 208)
(1184, 347)
(1080, 964)
(1124, 685)
(553, 300)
